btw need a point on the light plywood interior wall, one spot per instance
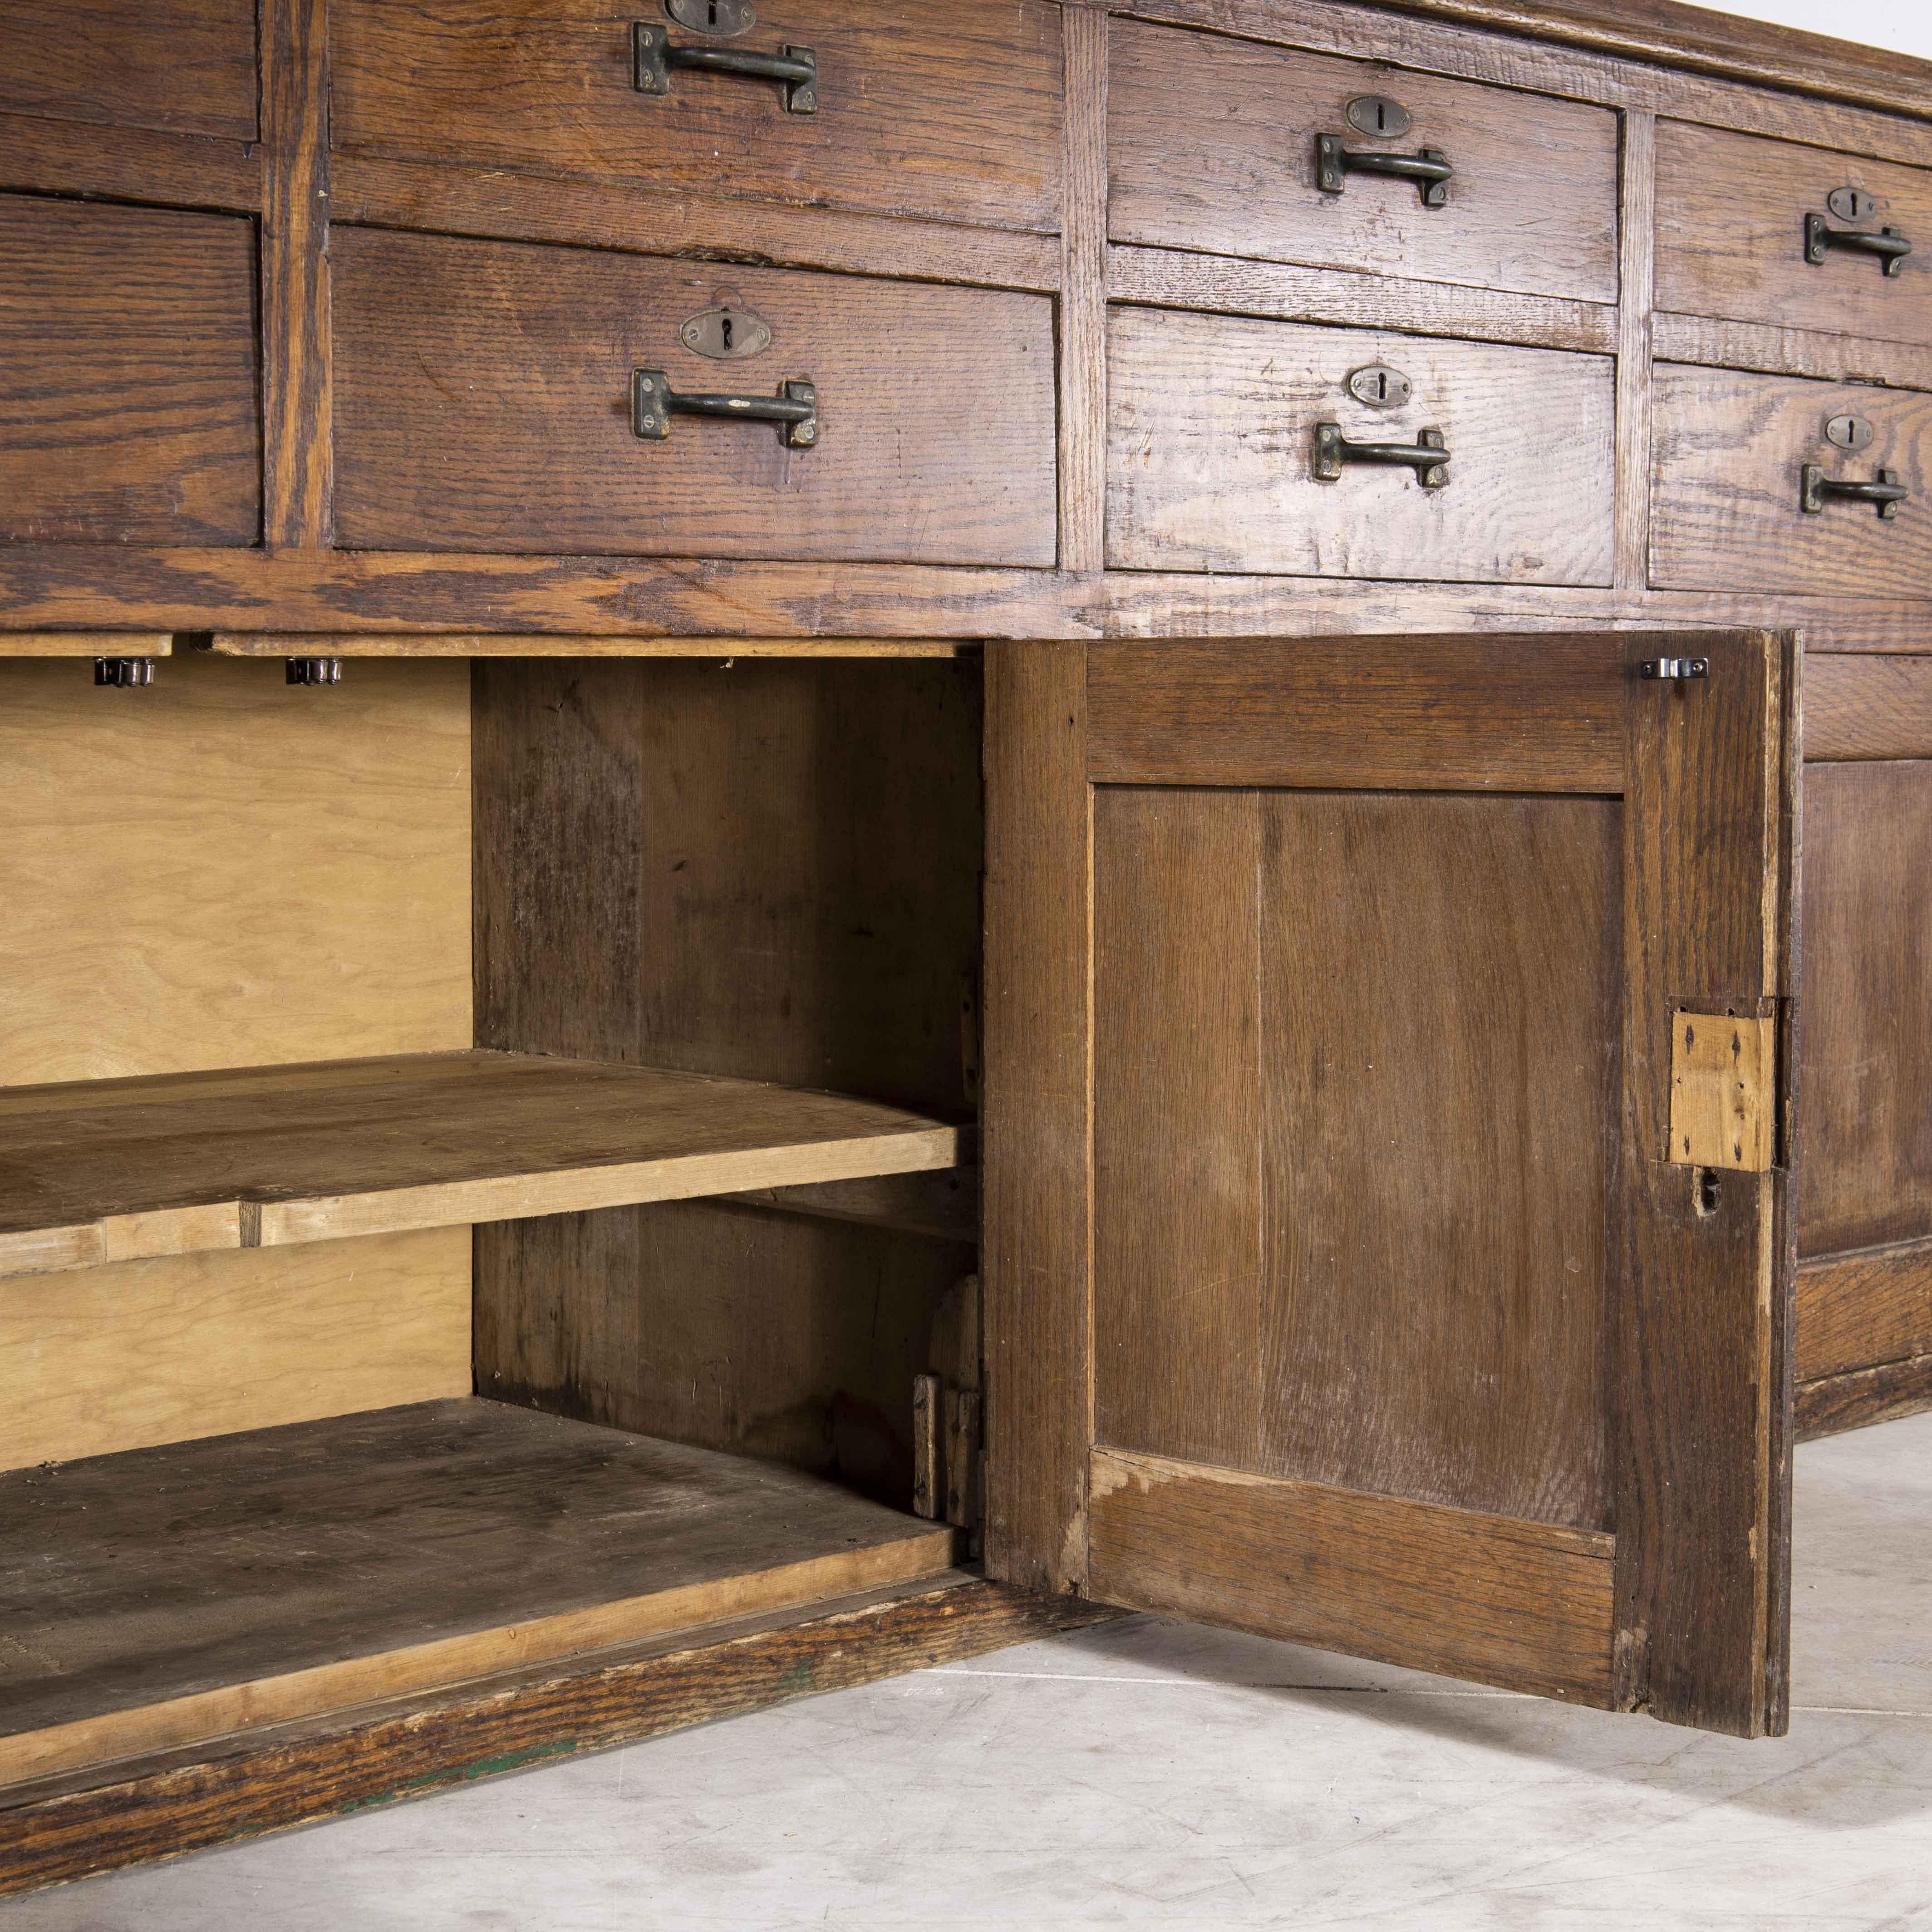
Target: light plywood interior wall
(222, 871)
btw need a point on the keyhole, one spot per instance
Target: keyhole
(1707, 1193)
(1382, 386)
(1381, 108)
(714, 22)
(725, 325)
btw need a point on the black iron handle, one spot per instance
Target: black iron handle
(654, 55)
(654, 402)
(1425, 456)
(1816, 490)
(1821, 238)
(1429, 168)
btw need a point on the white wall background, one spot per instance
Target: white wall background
(1903, 26)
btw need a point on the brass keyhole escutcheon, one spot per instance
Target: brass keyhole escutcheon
(1376, 115)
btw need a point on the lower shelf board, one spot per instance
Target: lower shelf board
(164, 1597)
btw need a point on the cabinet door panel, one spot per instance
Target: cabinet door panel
(1400, 1329)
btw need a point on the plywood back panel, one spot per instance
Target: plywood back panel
(147, 1352)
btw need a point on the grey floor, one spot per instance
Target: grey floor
(1153, 1774)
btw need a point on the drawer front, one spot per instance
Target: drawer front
(1211, 454)
(184, 66)
(1732, 228)
(928, 110)
(1212, 145)
(1731, 451)
(483, 401)
(128, 397)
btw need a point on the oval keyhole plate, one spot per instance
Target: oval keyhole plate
(1381, 387)
(728, 333)
(1849, 432)
(722, 17)
(1378, 115)
(1851, 204)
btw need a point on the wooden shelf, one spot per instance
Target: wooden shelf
(108, 1171)
(167, 1596)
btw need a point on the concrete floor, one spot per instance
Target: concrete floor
(1163, 1774)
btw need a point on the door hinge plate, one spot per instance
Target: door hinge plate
(1724, 1091)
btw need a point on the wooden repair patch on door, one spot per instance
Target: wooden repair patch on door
(1722, 1091)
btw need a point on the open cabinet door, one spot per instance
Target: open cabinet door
(1386, 1237)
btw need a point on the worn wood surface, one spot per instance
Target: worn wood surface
(1729, 449)
(935, 409)
(1210, 428)
(217, 870)
(1887, 1394)
(1211, 146)
(1636, 202)
(372, 192)
(165, 1351)
(407, 1549)
(1486, 1597)
(1704, 1408)
(1084, 293)
(129, 164)
(1864, 1158)
(527, 644)
(1037, 1257)
(127, 376)
(1724, 1090)
(86, 644)
(1858, 1310)
(1789, 351)
(187, 66)
(944, 1203)
(319, 1151)
(1524, 714)
(268, 1778)
(1332, 1244)
(922, 110)
(1734, 246)
(1858, 708)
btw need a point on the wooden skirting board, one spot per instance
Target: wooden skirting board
(99, 1171)
(1835, 1403)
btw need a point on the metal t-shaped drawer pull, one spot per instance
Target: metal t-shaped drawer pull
(654, 55)
(1816, 489)
(654, 402)
(1425, 456)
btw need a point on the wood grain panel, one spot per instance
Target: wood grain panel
(923, 109)
(1885, 1394)
(1518, 714)
(129, 164)
(1441, 978)
(1178, 1156)
(1037, 1258)
(1729, 451)
(167, 1350)
(1210, 430)
(1637, 205)
(1702, 1506)
(268, 874)
(1734, 244)
(936, 410)
(268, 1778)
(1858, 708)
(416, 1547)
(1212, 146)
(1864, 1162)
(1858, 1310)
(185, 65)
(1083, 306)
(127, 376)
(1524, 1605)
(86, 644)
(1720, 344)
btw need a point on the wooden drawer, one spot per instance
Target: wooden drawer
(1731, 449)
(1212, 145)
(484, 402)
(1731, 231)
(187, 66)
(128, 410)
(1211, 454)
(922, 109)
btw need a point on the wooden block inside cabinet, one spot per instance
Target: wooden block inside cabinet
(921, 109)
(186, 66)
(1212, 145)
(1213, 460)
(129, 408)
(483, 401)
(1734, 215)
(1733, 455)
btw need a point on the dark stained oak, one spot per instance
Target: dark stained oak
(463, 368)
(1868, 707)
(1730, 448)
(130, 164)
(1211, 431)
(1864, 1156)
(924, 108)
(1859, 1310)
(127, 376)
(1886, 1393)
(186, 66)
(1212, 146)
(1733, 245)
